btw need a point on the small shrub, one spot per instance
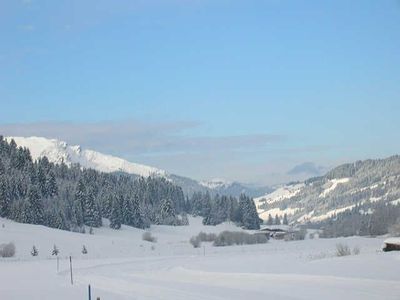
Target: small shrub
(84, 250)
(342, 250)
(356, 250)
(195, 241)
(228, 238)
(202, 237)
(184, 221)
(55, 251)
(7, 250)
(148, 237)
(34, 251)
(207, 237)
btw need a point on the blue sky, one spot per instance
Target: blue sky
(243, 90)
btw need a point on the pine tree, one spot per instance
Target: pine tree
(34, 251)
(55, 251)
(207, 211)
(35, 205)
(91, 214)
(167, 214)
(2, 168)
(250, 219)
(4, 199)
(79, 202)
(41, 180)
(51, 185)
(285, 220)
(270, 220)
(136, 213)
(115, 216)
(126, 210)
(277, 220)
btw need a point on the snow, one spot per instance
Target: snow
(330, 213)
(281, 193)
(332, 185)
(277, 211)
(59, 151)
(375, 199)
(393, 240)
(120, 266)
(216, 183)
(395, 202)
(305, 218)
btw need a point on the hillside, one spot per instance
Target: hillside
(360, 186)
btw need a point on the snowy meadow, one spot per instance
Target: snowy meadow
(121, 265)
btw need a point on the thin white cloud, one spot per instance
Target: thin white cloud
(175, 147)
(139, 138)
(27, 27)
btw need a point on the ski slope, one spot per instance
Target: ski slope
(120, 266)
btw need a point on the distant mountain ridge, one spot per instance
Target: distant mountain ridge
(58, 151)
(354, 185)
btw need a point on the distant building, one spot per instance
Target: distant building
(280, 232)
(391, 244)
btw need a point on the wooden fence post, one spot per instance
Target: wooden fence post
(70, 267)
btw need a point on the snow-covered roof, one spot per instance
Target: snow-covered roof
(393, 240)
(276, 227)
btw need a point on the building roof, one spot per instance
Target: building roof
(393, 240)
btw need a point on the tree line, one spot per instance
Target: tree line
(71, 197)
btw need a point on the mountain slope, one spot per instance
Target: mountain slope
(361, 184)
(58, 151)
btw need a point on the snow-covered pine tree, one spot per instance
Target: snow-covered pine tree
(35, 205)
(207, 211)
(91, 213)
(79, 201)
(4, 199)
(136, 213)
(167, 215)
(51, 185)
(270, 220)
(126, 210)
(250, 219)
(34, 251)
(41, 181)
(285, 220)
(277, 220)
(115, 216)
(2, 168)
(55, 251)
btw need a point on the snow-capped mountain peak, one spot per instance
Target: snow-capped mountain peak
(59, 151)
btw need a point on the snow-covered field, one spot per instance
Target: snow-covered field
(120, 265)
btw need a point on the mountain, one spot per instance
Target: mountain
(356, 186)
(59, 151)
(222, 187)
